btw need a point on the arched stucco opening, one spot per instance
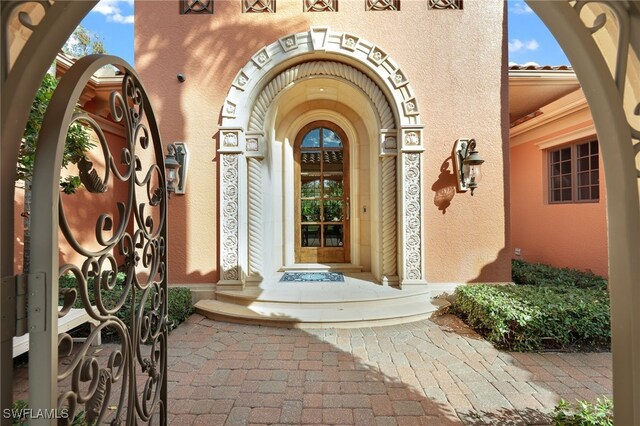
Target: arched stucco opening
(348, 108)
(263, 96)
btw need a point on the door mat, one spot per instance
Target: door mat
(306, 277)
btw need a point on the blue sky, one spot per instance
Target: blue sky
(112, 21)
(529, 39)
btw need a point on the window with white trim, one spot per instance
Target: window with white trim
(574, 173)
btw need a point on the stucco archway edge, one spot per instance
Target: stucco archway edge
(242, 134)
(256, 75)
(320, 68)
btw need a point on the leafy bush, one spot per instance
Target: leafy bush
(179, 302)
(525, 318)
(584, 413)
(545, 275)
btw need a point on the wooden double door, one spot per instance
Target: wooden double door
(322, 194)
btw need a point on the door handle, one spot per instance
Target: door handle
(348, 210)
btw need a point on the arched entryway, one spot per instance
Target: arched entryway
(346, 80)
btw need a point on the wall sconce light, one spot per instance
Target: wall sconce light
(468, 163)
(176, 164)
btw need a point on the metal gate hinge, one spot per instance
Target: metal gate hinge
(14, 306)
(21, 284)
(23, 304)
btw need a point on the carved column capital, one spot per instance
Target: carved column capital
(388, 142)
(412, 138)
(231, 140)
(254, 145)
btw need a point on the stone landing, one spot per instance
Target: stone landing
(359, 301)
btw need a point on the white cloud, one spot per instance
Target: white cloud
(517, 45)
(519, 8)
(112, 11)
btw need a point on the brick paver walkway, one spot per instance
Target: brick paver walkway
(420, 373)
(424, 373)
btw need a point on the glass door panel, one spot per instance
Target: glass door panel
(323, 200)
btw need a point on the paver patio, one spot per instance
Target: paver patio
(424, 373)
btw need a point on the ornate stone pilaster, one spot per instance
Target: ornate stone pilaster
(411, 207)
(254, 151)
(230, 154)
(388, 207)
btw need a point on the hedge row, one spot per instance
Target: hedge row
(544, 275)
(528, 318)
(180, 306)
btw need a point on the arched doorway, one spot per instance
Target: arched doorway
(322, 212)
(256, 129)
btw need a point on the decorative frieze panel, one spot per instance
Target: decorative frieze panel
(377, 55)
(229, 110)
(229, 184)
(196, 7)
(349, 42)
(445, 4)
(411, 137)
(261, 58)
(241, 81)
(231, 140)
(259, 6)
(320, 5)
(410, 107)
(398, 79)
(254, 145)
(412, 217)
(378, 5)
(388, 142)
(288, 43)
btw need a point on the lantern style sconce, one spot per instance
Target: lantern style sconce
(468, 163)
(176, 164)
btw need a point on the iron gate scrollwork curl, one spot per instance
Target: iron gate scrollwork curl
(129, 238)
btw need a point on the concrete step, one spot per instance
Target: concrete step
(323, 315)
(322, 267)
(325, 294)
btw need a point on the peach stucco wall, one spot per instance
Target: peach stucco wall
(82, 209)
(564, 235)
(455, 61)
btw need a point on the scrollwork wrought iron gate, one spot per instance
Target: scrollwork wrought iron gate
(125, 382)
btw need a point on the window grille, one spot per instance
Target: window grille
(378, 5)
(196, 7)
(445, 4)
(574, 174)
(259, 6)
(320, 5)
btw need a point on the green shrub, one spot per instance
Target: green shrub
(525, 318)
(179, 302)
(544, 275)
(584, 413)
